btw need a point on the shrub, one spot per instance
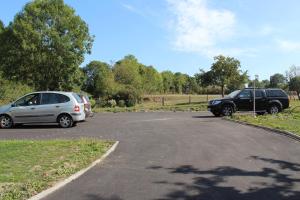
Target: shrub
(131, 96)
(111, 103)
(10, 91)
(121, 103)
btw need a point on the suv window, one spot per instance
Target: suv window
(29, 100)
(245, 94)
(53, 98)
(259, 94)
(275, 93)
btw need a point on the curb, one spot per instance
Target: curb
(61, 184)
(273, 130)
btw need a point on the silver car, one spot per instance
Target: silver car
(64, 108)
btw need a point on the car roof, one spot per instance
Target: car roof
(59, 92)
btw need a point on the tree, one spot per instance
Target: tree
(151, 80)
(292, 72)
(180, 81)
(99, 79)
(168, 81)
(226, 70)
(277, 81)
(1, 26)
(294, 85)
(47, 44)
(126, 71)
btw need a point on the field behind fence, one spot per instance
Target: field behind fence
(176, 99)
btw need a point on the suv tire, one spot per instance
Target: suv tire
(227, 110)
(274, 109)
(65, 121)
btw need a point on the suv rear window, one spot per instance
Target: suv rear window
(77, 97)
(275, 93)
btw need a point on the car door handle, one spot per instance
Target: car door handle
(57, 106)
(32, 108)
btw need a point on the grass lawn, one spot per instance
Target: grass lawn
(289, 120)
(28, 167)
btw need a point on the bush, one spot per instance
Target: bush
(129, 95)
(93, 102)
(11, 91)
(121, 103)
(111, 103)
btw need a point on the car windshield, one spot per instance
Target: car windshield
(233, 94)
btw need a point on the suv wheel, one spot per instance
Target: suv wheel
(227, 110)
(6, 122)
(65, 121)
(274, 109)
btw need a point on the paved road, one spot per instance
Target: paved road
(164, 156)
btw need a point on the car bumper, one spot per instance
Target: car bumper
(77, 117)
(214, 108)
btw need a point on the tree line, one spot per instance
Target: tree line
(45, 44)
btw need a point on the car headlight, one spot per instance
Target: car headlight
(216, 102)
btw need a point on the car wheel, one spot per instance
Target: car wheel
(6, 121)
(274, 109)
(227, 110)
(65, 121)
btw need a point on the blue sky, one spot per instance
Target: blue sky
(185, 35)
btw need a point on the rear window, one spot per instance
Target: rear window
(275, 93)
(77, 97)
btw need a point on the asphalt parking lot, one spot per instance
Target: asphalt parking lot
(179, 155)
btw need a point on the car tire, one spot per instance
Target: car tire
(274, 109)
(6, 121)
(65, 121)
(227, 110)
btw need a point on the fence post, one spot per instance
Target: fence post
(190, 99)
(163, 101)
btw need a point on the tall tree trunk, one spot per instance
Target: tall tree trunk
(222, 89)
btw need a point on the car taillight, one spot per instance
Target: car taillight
(77, 108)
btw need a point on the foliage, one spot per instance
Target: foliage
(121, 103)
(294, 85)
(277, 81)
(99, 79)
(168, 82)
(10, 90)
(44, 46)
(225, 72)
(151, 80)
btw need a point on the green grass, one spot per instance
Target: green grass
(172, 103)
(289, 120)
(28, 167)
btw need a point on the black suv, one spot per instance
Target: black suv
(266, 100)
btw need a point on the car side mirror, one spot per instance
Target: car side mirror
(13, 105)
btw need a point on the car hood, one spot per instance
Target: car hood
(5, 108)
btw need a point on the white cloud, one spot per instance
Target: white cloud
(132, 9)
(198, 28)
(288, 46)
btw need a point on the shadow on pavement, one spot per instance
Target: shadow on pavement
(36, 126)
(204, 117)
(273, 183)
